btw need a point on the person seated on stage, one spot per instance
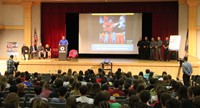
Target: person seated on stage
(25, 50)
(48, 50)
(41, 51)
(33, 50)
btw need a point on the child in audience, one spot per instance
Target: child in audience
(111, 100)
(61, 99)
(71, 102)
(27, 82)
(38, 91)
(83, 99)
(115, 91)
(12, 100)
(46, 90)
(39, 103)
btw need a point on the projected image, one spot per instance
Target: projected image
(113, 29)
(109, 33)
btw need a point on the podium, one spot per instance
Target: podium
(62, 56)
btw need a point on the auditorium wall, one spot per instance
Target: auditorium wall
(182, 27)
(198, 32)
(11, 15)
(36, 22)
(0, 12)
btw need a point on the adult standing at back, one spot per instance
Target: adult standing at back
(11, 65)
(158, 49)
(187, 71)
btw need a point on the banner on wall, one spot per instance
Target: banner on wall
(12, 48)
(174, 42)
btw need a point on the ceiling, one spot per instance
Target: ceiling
(79, 1)
(106, 0)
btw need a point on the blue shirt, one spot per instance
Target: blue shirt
(146, 76)
(57, 100)
(28, 84)
(187, 68)
(63, 42)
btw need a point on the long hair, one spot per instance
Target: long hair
(104, 104)
(12, 100)
(39, 103)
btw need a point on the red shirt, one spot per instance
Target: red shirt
(98, 80)
(116, 92)
(45, 93)
(22, 79)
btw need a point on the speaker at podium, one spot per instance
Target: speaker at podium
(63, 52)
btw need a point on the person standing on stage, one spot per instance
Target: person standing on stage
(11, 65)
(187, 71)
(140, 48)
(146, 48)
(166, 49)
(63, 41)
(152, 49)
(158, 48)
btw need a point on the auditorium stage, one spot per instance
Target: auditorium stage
(133, 65)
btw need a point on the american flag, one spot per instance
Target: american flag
(186, 43)
(35, 37)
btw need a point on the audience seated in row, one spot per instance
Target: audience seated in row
(114, 90)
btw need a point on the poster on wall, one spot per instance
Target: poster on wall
(12, 48)
(174, 42)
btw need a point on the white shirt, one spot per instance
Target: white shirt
(38, 97)
(84, 99)
(83, 83)
(65, 84)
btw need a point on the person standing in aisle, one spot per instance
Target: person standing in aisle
(187, 71)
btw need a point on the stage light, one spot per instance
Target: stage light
(102, 14)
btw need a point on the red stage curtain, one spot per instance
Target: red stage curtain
(53, 27)
(164, 25)
(53, 17)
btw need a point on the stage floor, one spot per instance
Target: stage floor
(133, 65)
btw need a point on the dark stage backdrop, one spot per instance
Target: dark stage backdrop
(57, 19)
